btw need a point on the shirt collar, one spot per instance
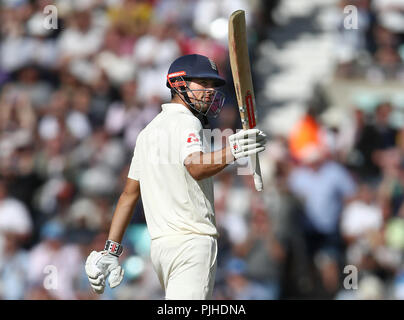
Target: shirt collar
(175, 107)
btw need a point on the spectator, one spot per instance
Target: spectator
(371, 137)
(391, 196)
(48, 263)
(115, 58)
(77, 120)
(29, 83)
(129, 116)
(14, 218)
(323, 186)
(14, 267)
(81, 39)
(361, 216)
(239, 286)
(17, 112)
(263, 253)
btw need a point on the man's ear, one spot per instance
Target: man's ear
(173, 93)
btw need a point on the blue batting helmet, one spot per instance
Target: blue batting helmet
(194, 66)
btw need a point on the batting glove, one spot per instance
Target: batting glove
(100, 265)
(247, 142)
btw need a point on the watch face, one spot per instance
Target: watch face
(113, 247)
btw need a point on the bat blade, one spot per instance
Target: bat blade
(241, 71)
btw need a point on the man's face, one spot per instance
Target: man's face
(202, 93)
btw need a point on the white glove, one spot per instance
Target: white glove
(247, 142)
(99, 265)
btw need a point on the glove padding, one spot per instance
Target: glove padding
(247, 142)
(100, 265)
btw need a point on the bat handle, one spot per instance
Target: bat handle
(256, 172)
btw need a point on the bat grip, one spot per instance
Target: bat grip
(256, 172)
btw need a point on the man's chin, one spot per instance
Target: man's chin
(202, 107)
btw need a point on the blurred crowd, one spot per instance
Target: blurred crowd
(371, 37)
(72, 102)
(335, 201)
(78, 81)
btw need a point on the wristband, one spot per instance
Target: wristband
(113, 248)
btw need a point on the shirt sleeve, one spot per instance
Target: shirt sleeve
(134, 169)
(190, 138)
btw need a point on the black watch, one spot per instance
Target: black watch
(113, 248)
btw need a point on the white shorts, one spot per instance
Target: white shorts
(185, 265)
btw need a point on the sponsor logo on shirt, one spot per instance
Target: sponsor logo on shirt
(192, 138)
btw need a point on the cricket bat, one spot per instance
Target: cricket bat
(241, 71)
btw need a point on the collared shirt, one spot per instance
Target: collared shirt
(174, 202)
(323, 193)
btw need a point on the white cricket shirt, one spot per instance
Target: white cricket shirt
(174, 202)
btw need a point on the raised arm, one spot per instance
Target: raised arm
(204, 165)
(244, 143)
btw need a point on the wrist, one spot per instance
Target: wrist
(113, 247)
(229, 155)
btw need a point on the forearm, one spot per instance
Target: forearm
(205, 165)
(122, 216)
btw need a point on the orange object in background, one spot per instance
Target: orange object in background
(307, 133)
